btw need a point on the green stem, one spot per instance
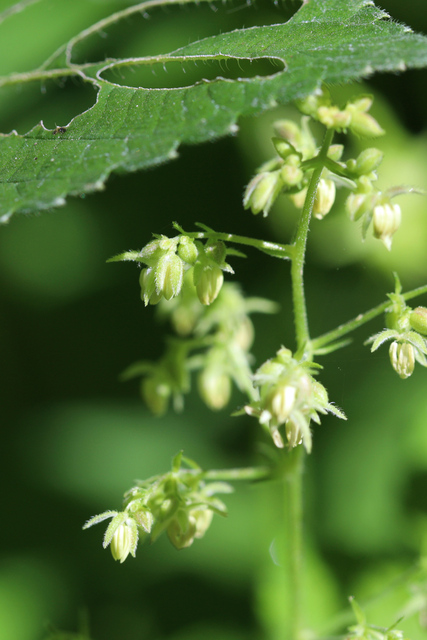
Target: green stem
(299, 248)
(246, 473)
(294, 511)
(361, 319)
(274, 249)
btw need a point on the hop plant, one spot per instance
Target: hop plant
(406, 329)
(289, 396)
(179, 502)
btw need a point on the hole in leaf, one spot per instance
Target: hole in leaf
(56, 103)
(175, 74)
(164, 29)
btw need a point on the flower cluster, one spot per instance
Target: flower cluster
(298, 154)
(179, 502)
(353, 117)
(290, 396)
(215, 341)
(168, 258)
(406, 327)
(289, 172)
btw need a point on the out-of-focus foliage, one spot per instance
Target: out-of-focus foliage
(74, 437)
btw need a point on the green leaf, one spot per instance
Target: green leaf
(132, 128)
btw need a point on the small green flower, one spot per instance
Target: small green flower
(289, 396)
(407, 348)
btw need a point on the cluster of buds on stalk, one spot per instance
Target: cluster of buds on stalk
(167, 259)
(353, 117)
(370, 204)
(289, 397)
(289, 172)
(179, 502)
(407, 328)
(214, 340)
(298, 154)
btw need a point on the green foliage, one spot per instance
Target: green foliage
(130, 128)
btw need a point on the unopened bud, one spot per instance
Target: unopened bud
(203, 519)
(208, 280)
(262, 191)
(402, 358)
(148, 287)
(368, 161)
(281, 401)
(214, 387)
(288, 130)
(357, 204)
(187, 250)
(291, 174)
(121, 543)
(325, 198)
(418, 320)
(335, 152)
(387, 218)
(169, 273)
(333, 117)
(182, 530)
(363, 124)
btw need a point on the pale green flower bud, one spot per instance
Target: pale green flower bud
(214, 387)
(262, 191)
(418, 320)
(281, 401)
(244, 335)
(182, 530)
(122, 541)
(288, 130)
(333, 118)
(145, 519)
(357, 204)
(208, 280)
(187, 250)
(291, 173)
(363, 124)
(402, 358)
(169, 273)
(312, 103)
(335, 152)
(299, 198)
(148, 287)
(203, 519)
(325, 198)
(387, 218)
(368, 161)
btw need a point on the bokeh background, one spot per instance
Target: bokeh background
(75, 438)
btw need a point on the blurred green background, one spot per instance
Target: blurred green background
(74, 438)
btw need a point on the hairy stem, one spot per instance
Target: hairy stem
(299, 248)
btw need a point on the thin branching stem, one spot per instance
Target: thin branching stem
(299, 248)
(361, 319)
